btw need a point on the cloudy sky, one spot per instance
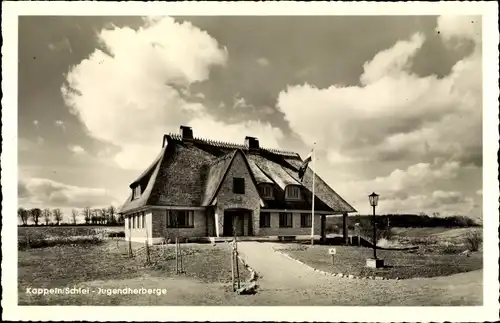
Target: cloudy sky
(393, 103)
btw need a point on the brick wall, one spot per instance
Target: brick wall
(161, 231)
(275, 229)
(227, 200)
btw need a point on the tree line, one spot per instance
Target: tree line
(421, 220)
(91, 216)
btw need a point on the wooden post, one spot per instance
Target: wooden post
(232, 267)
(345, 232)
(237, 265)
(323, 228)
(180, 257)
(176, 255)
(148, 259)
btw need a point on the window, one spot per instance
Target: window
(265, 220)
(238, 185)
(286, 220)
(305, 220)
(136, 192)
(266, 191)
(292, 192)
(133, 221)
(143, 220)
(180, 219)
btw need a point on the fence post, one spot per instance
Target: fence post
(176, 255)
(237, 265)
(148, 259)
(231, 252)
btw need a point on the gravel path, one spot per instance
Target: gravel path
(283, 281)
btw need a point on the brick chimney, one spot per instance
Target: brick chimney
(186, 133)
(252, 143)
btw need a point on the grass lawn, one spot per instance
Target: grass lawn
(402, 264)
(104, 264)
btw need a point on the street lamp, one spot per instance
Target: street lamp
(373, 202)
(375, 262)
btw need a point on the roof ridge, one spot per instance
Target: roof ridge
(225, 144)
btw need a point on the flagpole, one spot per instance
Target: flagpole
(314, 176)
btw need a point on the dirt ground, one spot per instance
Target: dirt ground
(282, 281)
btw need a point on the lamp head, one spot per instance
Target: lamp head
(373, 199)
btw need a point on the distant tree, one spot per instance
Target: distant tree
(35, 215)
(112, 214)
(121, 219)
(105, 215)
(94, 218)
(23, 215)
(46, 216)
(87, 214)
(58, 216)
(74, 214)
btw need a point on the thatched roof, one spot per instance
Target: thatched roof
(189, 173)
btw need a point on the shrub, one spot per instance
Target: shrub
(450, 249)
(473, 239)
(24, 243)
(383, 232)
(332, 228)
(119, 234)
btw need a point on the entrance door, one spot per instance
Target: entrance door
(234, 223)
(228, 224)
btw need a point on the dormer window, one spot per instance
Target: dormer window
(266, 191)
(292, 192)
(136, 192)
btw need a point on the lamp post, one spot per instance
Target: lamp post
(373, 202)
(375, 262)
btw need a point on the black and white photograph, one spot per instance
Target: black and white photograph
(304, 161)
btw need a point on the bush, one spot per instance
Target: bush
(332, 228)
(119, 234)
(473, 239)
(28, 242)
(383, 232)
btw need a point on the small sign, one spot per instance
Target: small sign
(332, 251)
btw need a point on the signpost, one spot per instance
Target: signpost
(332, 251)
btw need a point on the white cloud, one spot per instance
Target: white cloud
(240, 103)
(61, 124)
(133, 96)
(431, 125)
(443, 202)
(77, 150)
(42, 192)
(393, 61)
(395, 113)
(262, 61)
(61, 45)
(468, 27)
(35, 123)
(401, 185)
